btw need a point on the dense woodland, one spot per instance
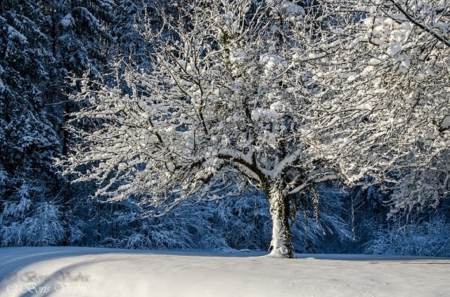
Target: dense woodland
(54, 53)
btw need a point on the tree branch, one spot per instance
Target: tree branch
(417, 23)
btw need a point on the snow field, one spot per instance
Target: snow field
(57, 271)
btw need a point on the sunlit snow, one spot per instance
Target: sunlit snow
(57, 271)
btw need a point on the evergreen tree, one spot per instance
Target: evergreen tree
(80, 42)
(28, 141)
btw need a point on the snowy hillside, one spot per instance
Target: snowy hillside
(57, 271)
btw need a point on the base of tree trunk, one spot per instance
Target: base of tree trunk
(280, 253)
(281, 245)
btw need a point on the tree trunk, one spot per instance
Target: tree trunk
(281, 244)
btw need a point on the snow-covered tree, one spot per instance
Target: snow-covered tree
(126, 30)
(386, 79)
(41, 42)
(422, 187)
(80, 41)
(219, 112)
(264, 94)
(28, 141)
(323, 224)
(81, 36)
(427, 238)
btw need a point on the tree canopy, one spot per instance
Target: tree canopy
(273, 95)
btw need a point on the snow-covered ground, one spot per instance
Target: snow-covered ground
(70, 271)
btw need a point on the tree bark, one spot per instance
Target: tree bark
(281, 244)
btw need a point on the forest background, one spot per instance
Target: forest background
(43, 44)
